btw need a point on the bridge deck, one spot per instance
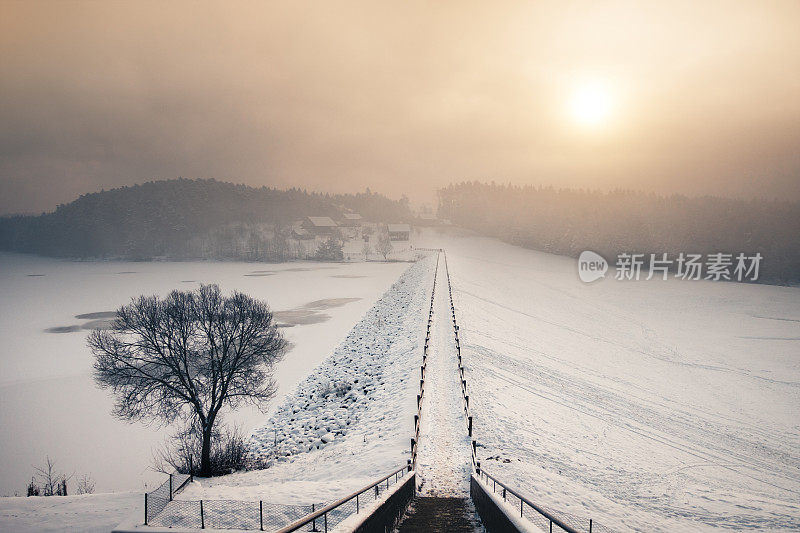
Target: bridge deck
(444, 460)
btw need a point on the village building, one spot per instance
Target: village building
(427, 219)
(399, 232)
(301, 234)
(319, 225)
(351, 220)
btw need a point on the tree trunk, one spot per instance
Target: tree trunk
(205, 454)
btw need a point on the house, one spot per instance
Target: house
(399, 232)
(427, 219)
(350, 220)
(301, 234)
(319, 225)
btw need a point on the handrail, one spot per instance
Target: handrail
(328, 508)
(476, 465)
(423, 368)
(535, 507)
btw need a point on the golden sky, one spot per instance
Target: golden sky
(699, 97)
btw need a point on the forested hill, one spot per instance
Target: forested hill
(569, 221)
(168, 218)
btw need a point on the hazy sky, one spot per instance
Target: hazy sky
(403, 97)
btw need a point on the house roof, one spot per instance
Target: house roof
(398, 228)
(322, 222)
(351, 216)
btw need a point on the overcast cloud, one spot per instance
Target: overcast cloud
(401, 97)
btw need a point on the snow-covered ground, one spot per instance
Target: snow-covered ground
(350, 421)
(49, 404)
(357, 387)
(87, 513)
(659, 406)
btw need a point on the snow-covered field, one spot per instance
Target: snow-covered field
(87, 513)
(48, 402)
(659, 406)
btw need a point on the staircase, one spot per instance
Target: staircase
(440, 515)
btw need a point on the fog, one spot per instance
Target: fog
(403, 98)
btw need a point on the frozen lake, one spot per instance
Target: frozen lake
(49, 404)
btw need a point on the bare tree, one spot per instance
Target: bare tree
(51, 482)
(86, 485)
(384, 246)
(366, 250)
(188, 356)
(228, 450)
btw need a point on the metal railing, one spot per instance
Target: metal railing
(163, 510)
(331, 515)
(156, 500)
(544, 518)
(422, 369)
(534, 513)
(462, 377)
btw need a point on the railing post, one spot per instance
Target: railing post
(409, 464)
(470, 425)
(170, 487)
(202, 518)
(261, 513)
(478, 468)
(356, 503)
(590, 525)
(191, 469)
(326, 522)
(314, 521)
(145, 508)
(413, 443)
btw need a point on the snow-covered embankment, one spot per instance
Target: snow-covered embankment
(351, 419)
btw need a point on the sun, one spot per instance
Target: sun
(591, 105)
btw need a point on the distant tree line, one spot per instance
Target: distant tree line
(569, 221)
(49, 482)
(185, 218)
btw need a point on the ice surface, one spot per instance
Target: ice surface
(48, 402)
